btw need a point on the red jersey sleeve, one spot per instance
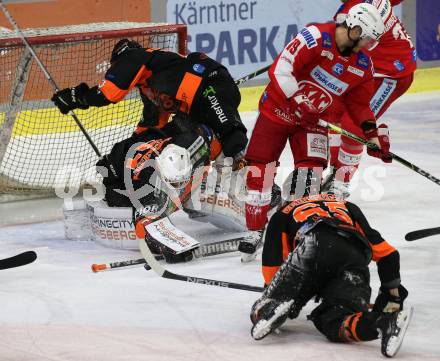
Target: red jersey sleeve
(395, 2)
(295, 56)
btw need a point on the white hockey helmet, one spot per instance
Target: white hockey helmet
(174, 166)
(368, 18)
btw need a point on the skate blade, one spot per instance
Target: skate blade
(264, 327)
(395, 342)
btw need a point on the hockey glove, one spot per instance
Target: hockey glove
(169, 255)
(386, 302)
(380, 137)
(306, 112)
(71, 98)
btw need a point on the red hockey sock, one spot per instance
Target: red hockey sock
(350, 151)
(334, 140)
(259, 183)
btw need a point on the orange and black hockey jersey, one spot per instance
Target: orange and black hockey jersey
(168, 82)
(346, 216)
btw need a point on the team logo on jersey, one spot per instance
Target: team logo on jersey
(331, 83)
(399, 66)
(326, 40)
(320, 97)
(338, 69)
(356, 71)
(308, 37)
(363, 61)
(199, 68)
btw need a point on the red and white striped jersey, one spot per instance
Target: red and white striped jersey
(395, 56)
(312, 63)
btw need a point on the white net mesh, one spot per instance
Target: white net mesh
(38, 144)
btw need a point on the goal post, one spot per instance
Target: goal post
(39, 146)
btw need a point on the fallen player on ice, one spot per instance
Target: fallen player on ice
(320, 246)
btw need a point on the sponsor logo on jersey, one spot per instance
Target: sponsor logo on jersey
(326, 40)
(209, 93)
(199, 68)
(308, 37)
(338, 69)
(382, 95)
(334, 85)
(363, 61)
(392, 20)
(414, 55)
(317, 145)
(319, 97)
(356, 71)
(328, 54)
(283, 115)
(398, 65)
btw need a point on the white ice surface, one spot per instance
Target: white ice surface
(57, 309)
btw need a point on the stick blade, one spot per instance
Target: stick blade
(21, 259)
(422, 233)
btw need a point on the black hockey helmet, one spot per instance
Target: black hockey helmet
(122, 46)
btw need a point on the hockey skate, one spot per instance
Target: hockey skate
(392, 328)
(250, 245)
(267, 315)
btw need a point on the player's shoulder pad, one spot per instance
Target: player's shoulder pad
(128, 64)
(309, 36)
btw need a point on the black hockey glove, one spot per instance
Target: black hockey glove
(384, 298)
(71, 98)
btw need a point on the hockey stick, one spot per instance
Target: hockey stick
(162, 272)
(47, 74)
(422, 233)
(19, 260)
(205, 250)
(252, 75)
(370, 145)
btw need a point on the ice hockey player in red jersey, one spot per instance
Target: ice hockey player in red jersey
(195, 86)
(395, 62)
(321, 71)
(320, 246)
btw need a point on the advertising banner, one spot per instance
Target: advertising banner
(246, 35)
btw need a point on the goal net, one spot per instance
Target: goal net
(40, 148)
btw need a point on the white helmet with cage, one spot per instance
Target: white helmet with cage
(368, 18)
(174, 166)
